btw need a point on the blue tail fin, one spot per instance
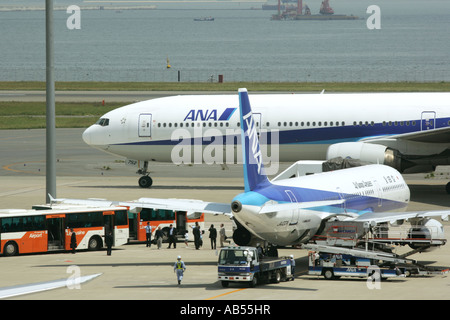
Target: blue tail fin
(254, 175)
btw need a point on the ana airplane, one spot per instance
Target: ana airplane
(408, 131)
(294, 210)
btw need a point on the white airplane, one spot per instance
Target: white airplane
(292, 211)
(408, 131)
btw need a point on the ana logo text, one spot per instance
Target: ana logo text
(253, 140)
(209, 115)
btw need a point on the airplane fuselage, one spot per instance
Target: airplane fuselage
(374, 188)
(196, 129)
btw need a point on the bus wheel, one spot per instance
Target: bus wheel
(95, 243)
(11, 249)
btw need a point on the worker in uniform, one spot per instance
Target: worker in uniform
(179, 268)
(291, 257)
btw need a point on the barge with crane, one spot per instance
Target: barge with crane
(304, 13)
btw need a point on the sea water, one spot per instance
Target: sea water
(241, 44)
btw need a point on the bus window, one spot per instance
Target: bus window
(148, 214)
(163, 214)
(26, 223)
(85, 220)
(121, 218)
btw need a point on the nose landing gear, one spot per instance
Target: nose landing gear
(145, 181)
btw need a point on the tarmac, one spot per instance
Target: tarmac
(134, 272)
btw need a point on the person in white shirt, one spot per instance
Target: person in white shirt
(148, 235)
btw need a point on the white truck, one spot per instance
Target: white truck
(243, 264)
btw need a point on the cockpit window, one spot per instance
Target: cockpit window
(103, 122)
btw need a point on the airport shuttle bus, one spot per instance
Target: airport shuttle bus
(181, 220)
(32, 231)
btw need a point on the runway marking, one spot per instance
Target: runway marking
(226, 293)
(7, 167)
(36, 188)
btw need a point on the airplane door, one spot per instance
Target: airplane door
(342, 197)
(379, 192)
(145, 125)
(294, 217)
(428, 120)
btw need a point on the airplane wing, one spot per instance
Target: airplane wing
(441, 135)
(275, 207)
(393, 217)
(14, 291)
(189, 205)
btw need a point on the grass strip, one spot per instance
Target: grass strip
(232, 86)
(31, 115)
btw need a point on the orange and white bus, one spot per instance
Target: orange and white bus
(181, 220)
(30, 231)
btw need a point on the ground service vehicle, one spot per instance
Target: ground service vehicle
(243, 264)
(334, 266)
(49, 229)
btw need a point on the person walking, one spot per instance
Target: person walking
(148, 235)
(186, 238)
(73, 241)
(159, 237)
(109, 243)
(196, 233)
(222, 234)
(179, 267)
(213, 236)
(172, 237)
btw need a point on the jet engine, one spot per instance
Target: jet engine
(429, 229)
(373, 153)
(243, 237)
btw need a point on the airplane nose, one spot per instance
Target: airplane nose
(87, 136)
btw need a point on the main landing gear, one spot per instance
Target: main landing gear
(145, 181)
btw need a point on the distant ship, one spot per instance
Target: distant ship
(325, 8)
(326, 13)
(204, 19)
